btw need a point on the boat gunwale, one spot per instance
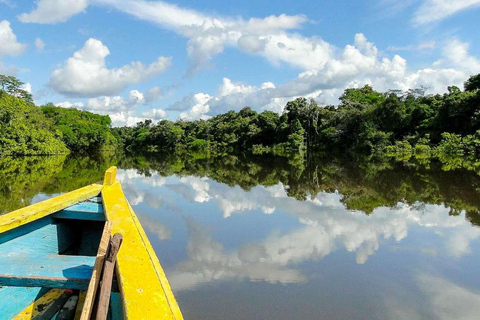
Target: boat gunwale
(47, 207)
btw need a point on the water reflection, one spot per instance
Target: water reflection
(265, 238)
(224, 245)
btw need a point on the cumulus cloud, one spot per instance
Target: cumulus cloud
(85, 73)
(154, 114)
(8, 41)
(54, 11)
(108, 104)
(68, 104)
(209, 35)
(39, 44)
(125, 118)
(122, 110)
(356, 65)
(199, 107)
(153, 94)
(435, 10)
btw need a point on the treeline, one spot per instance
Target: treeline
(365, 121)
(26, 129)
(400, 124)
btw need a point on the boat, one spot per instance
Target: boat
(81, 255)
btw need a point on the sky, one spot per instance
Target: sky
(135, 59)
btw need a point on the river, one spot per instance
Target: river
(272, 238)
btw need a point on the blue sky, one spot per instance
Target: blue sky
(136, 59)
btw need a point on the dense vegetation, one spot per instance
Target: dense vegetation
(26, 129)
(81, 130)
(365, 122)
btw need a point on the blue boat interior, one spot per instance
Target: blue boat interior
(57, 251)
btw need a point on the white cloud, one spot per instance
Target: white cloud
(435, 10)
(108, 104)
(354, 66)
(53, 11)
(153, 94)
(448, 300)
(8, 41)
(124, 118)
(209, 35)
(39, 44)
(199, 109)
(152, 225)
(154, 114)
(85, 73)
(68, 104)
(27, 87)
(121, 110)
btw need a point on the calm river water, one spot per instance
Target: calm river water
(269, 238)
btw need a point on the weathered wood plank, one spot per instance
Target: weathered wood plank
(42, 209)
(107, 277)
(54, 271)
(143, 284)
(41, 240)
(35, 308)
(85, 206)
(97, 271)
(15, 299)
(82, 211)
(24, 230)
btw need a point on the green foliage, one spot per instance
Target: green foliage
(404, 125)
(400, 124)
(81, 130)
(473, 83)
(13, 87)
(24, 130)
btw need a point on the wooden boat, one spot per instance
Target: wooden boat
(52, 255)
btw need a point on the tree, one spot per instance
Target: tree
(13, 86)
(24, 130)
(473, 83)
(81, 130)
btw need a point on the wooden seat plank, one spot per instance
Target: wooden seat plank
(18, 298)
(43, 239)
(54, 271)
(82, 211)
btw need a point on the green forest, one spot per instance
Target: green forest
(399, 124)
